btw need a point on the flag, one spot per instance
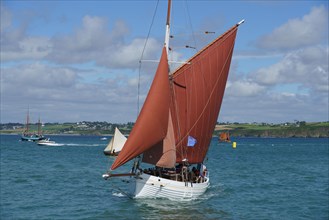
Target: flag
(191, 141)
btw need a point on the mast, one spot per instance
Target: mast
(167, 36)
(39, 126)
(27, 120)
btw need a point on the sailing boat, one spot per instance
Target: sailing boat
(224, 137)
(27, 136)
(174, 128)
(115, 145)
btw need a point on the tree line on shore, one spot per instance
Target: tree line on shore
(288, 129)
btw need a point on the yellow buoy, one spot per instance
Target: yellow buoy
(234, 144)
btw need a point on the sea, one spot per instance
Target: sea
(262, 178)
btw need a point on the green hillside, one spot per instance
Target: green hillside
(302, 129)
(297, 129)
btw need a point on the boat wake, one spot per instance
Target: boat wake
(82, 145)
(118, 194)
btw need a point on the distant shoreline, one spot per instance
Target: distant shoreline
(263, 130)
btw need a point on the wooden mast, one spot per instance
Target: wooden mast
(27, 120)
(167, 36)
(39, 127)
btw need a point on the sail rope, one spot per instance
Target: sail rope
(190, 23)
(122, 191)
(140, 61)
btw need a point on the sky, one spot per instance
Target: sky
(71, 61)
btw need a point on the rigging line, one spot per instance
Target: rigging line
(190, 23)
(109, 164)
(123, 192)
(140, 61)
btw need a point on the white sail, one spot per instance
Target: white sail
(116, 143)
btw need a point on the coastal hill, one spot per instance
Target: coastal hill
(285, 130)
(296, 129)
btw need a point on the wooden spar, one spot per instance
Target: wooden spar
(168, 12)
(28, 120)
(167, 35)
(121, 174)
(39, 127)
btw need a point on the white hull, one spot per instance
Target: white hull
(148, 186)
(49, 143)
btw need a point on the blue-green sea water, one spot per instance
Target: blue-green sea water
(260, 179)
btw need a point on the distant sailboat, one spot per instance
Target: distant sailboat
(224, 137)
(27, 136)
(115, 145)
(174, 128)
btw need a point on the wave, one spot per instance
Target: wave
(118, 194)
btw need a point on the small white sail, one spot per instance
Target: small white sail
(116, 143)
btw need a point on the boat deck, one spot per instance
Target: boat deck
(181, 175)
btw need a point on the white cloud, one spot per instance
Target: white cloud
(57, 91)
(60, 93)
(308, 66)
(128, 55)
(27, 49)
(295, 87)
(35, 81)
(306, 31)
(243, 88)
(274, 107)
(94, 42)
(16, 45)
(86, 43)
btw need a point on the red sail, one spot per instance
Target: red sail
(164, 153)
(198, 92)
(152, 123)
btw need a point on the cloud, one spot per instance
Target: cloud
(94, 42)
(16, 44)
(269, 106)
(243, 88)
(6, 18)
(38, 71)
(29, 48)
(308, 30)
(128, 55)
(294, 86)
(307, 66)
(37, 82)
(62, 92)
(85, 43)
(91, 73)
